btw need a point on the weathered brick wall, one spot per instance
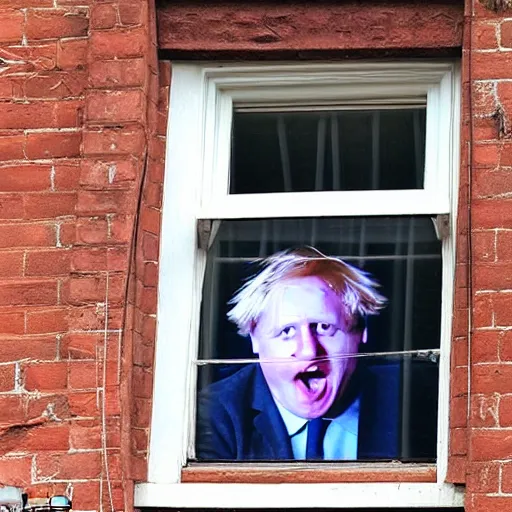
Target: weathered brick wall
(487, 150)
(79, 98)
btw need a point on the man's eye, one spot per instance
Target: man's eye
(324, 329)
(287, 333)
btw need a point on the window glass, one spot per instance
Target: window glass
(328, 319)
(380, 149)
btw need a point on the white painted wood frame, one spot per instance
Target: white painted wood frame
(196, 186)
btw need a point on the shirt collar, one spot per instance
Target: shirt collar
(294, 424)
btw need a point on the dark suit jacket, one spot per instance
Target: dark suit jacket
(238, 419)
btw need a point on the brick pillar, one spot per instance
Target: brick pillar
(488, 61)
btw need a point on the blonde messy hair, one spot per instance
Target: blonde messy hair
(355, 288)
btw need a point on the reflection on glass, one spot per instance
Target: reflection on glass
(239, 418)
(311, 386)
(320, 150)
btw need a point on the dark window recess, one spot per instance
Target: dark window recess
(380, 149)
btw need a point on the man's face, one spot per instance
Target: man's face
(304, 324)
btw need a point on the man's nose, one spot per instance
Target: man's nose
(308, 343)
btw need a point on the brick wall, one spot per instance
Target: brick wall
(79, 124)
(83, 105)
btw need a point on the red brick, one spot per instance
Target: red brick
(141, 412)
(56, 24)
(103, 16)
(84, 404)
(483, 503)
(484, 346)
(506, 345)
(82, 345)
(12, 322)
(486, 155)
(132, 13)
(18, 468)
(504, 245)
(11, 28)
(493, 276)
(150, 247)
(40, 348)
(67, 231)
(491, 378)
(27, 235)
(85, 435)
(492, 183)
(153, 195)
(156, 171)
(491, 65)
(25, 178)
(458, 441)
(492, 213)
(72, 54)
(121, 229)
(98, 175)
(87, 493)
(28, 292)
(11, 264)
(484, 411)
(117, 73)
(150, 220)
(483, 310)
(66, 177)
(48, 263)
(11, 207)
(83, 375)
(502, 303)
(105, 201)
(117, 258)
(46, 376)
(89, 259)
(12, 409)
(118, 44)
(483, 477)
(92, 231)
(38, 406)
(505, 411)
(488, 445)
(150, 277)
(7, 372)
(114, 141)
(47, 321)
(506, 34)
(53, 144)
(40, 114)
(142, 383)
(88, 289)
(115, 106)
(93, 318)
(11, 147)
(49, 205)
(484, 35)
(59, 85)
(484, 245)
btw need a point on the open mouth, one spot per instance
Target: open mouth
(312, 377)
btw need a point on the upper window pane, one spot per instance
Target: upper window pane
(305, 151)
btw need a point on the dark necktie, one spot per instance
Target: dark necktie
(315, 439)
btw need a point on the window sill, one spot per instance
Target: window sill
(298, 495)
(237, 473)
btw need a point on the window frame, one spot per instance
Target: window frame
(196, 186)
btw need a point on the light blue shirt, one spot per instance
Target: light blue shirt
(340, 441)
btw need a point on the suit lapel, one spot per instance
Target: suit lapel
(268, 421)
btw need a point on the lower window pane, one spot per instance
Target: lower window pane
(322, 320)
(387, 411)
